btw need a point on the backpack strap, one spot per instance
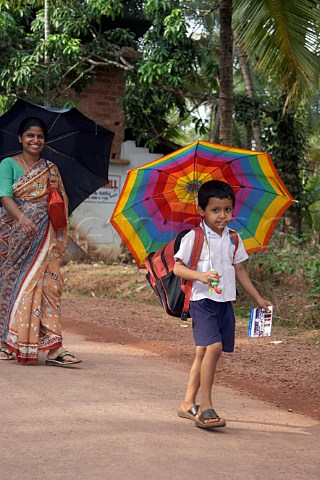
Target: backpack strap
(234, 239)
(187, 284)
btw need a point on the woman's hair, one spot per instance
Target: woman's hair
(32, 122)
(216, 189)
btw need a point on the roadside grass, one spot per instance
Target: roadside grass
(114, 281)
(289, 274)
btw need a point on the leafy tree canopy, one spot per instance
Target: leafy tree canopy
(162, 67)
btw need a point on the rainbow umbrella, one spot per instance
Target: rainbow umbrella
(158, 199)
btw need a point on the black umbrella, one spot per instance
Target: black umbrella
(77, 145)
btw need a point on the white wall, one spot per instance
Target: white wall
(89, 222)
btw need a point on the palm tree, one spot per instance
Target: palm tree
(254, 127)
(281, 39)
(226, 72)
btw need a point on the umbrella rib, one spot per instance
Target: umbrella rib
(231, 184)
(222, 168)
(235, 159)
(246, 229)
(161, 194)
(58, 152)
(147, 199)
(225, 165)
(159, 231)
(7, 131)
(62, 137)
(55, 121)
(255, 188)
(61, 154)
(140, 202)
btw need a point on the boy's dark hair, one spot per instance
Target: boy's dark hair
(33, 122)
(216, 189)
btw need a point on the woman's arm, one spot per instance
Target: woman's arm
(27, 225)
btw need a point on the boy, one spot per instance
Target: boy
(213, 320)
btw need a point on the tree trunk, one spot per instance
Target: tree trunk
(226, 72)
(248, 83)
(249, 136)
(215, 123)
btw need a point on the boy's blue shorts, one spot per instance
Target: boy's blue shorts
(213, 322)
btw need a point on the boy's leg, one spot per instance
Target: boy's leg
(210, 334)
(208, 370)
(194, 381)
(202, 373)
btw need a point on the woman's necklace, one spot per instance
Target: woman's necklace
(25, 164)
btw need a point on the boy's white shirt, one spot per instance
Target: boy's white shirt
(221, 250)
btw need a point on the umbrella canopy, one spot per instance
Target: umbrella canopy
(158, 199)
(77, 145)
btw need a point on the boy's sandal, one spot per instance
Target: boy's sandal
(7, 353)
(61, 361)
(191, 413)
(209, 414)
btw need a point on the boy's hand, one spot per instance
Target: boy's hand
(263, 303)
(208, 277)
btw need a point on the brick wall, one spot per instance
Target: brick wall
(100, 102)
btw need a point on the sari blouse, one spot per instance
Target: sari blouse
(10, 172)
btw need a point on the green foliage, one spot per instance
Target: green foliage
(246, 108)
(286, 138)
(82, 38)
(77, 43)
(171, 79)
(287, 253)
(312, 202)
(285, 132)
(281, 38)
(295, 261)
(5, 103)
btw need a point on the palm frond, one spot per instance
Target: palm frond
(281, 37)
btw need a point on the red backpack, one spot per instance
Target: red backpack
(173, 292)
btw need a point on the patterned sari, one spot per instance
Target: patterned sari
(31, 282)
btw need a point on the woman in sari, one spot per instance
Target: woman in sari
(31, 253)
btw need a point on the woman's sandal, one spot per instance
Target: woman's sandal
(190, 414)
(209, 414)
(61, 361)
(8, 354)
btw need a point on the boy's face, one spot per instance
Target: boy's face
(217, 214)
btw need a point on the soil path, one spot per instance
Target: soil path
(282, 370)
(114, 417)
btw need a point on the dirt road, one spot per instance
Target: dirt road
(114, 417)
(282, 370)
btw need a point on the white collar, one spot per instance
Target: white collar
(212, 233)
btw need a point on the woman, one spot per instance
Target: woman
(31, 253)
